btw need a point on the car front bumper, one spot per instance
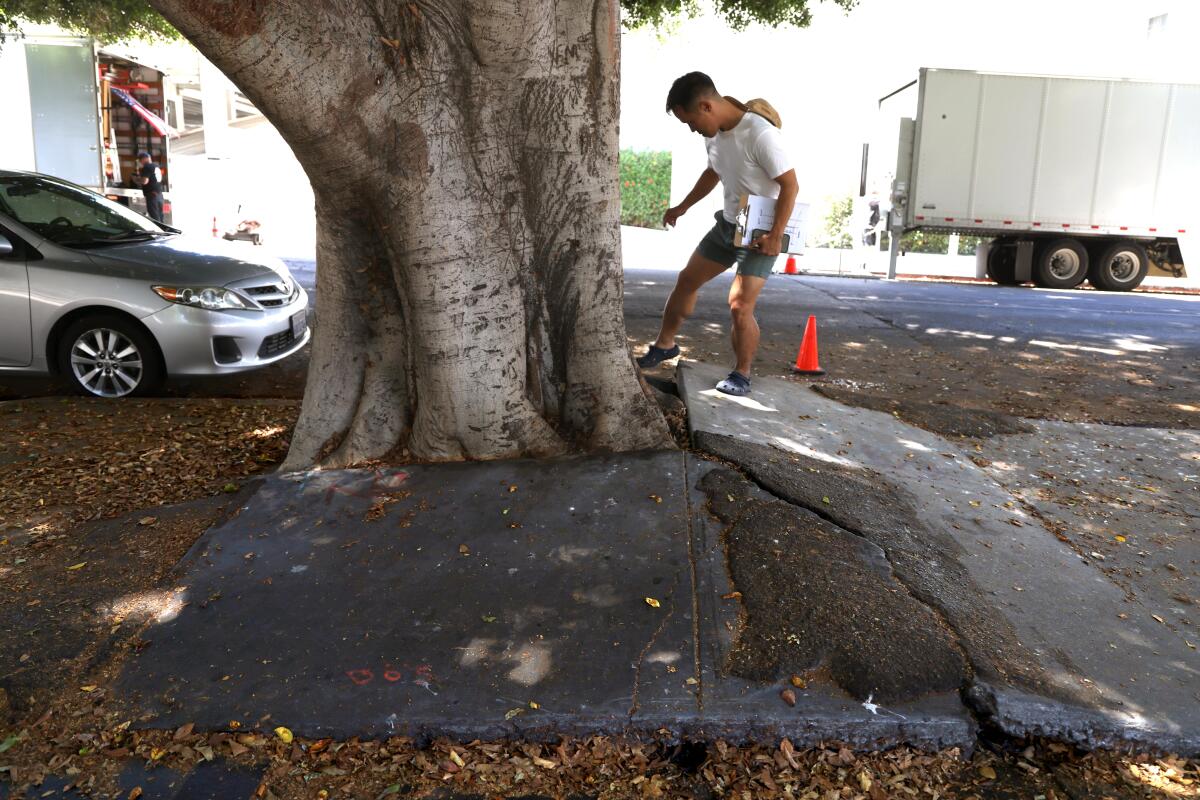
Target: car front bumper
(195, 341)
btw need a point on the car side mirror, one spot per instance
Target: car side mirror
(6, 247)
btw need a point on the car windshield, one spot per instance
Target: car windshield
(69, 215)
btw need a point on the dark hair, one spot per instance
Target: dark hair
(687, 90)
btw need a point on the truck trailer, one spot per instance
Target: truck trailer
(81, 112)
(1072, 179)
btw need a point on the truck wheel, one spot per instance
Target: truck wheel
(1122, 266)
(1060, 264)
(1002, 264)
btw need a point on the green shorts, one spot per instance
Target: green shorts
(717, 245)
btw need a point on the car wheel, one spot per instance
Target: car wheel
(108, 356)
(1002, 263)
(1122, 266)
(1060, 264)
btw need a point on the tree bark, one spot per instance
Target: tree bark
(463, 155)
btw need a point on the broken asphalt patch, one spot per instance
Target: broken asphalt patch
(1073, 662)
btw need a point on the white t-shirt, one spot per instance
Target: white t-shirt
(748, 159)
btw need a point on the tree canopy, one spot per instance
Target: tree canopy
(117, 20)
(107, 20)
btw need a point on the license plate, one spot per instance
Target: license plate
(299, 323)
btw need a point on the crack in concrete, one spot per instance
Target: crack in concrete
(637, 669)
(696, 662)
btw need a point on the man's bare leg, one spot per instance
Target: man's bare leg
(743, 294)
(682, 302)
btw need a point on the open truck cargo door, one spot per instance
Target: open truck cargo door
(64, 110)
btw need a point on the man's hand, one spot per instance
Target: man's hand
(769, 244)
(672, 216)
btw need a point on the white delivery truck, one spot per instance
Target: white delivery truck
(81, 112)
(1072, 178)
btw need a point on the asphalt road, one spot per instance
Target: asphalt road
(1075, 355)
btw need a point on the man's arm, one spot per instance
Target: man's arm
(707, 181)
(772, 243)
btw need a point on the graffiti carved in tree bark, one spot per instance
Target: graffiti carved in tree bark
(463, 155)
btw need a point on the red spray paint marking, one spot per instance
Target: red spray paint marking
(380, 484)
(421, 675)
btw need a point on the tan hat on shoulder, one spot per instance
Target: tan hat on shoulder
(761, 107)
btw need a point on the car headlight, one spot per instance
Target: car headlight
(214, 298)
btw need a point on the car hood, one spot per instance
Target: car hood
(184, 260)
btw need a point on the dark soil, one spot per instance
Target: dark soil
(867, 504)
(816, 595)
(72, 598)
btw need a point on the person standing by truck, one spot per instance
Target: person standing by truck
(746, 156)
(149, 177)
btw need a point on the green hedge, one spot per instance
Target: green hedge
(939, 243)
(645, 187)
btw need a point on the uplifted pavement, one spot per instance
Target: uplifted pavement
(1007, 532)
(524, 599)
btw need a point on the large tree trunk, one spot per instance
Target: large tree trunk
(463, 154)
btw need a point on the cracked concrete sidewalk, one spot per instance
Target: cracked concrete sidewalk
(1063, 558)
(501, 599)
(827, 573)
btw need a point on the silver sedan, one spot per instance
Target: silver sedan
(116, 303)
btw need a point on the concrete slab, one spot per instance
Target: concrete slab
(1061, 606)
(1126, 499)
(436, 600)
(485, 600)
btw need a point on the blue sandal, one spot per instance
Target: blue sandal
(736, 384)
(656, 355)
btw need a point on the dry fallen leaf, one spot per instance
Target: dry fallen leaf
(788, 696)
(1157, 618)
(147, 520)
(799, 682)
(457, 759)
(80, 565)
(513, 712)
(464, 550)
(650, 601)
(987, 772)
(655, 498)
(284, 734)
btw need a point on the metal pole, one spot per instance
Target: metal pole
(893, 245)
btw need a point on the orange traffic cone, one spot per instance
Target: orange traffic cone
(790, 267)
(806, 359)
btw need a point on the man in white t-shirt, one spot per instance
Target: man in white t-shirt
(746, 156)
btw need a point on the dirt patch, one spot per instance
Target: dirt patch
(925, 560)
(943, 418)
(101, 500)
(68, 602)
(69, 460)
(815, 594)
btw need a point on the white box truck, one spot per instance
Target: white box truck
(1073, 179)
(63, 114)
